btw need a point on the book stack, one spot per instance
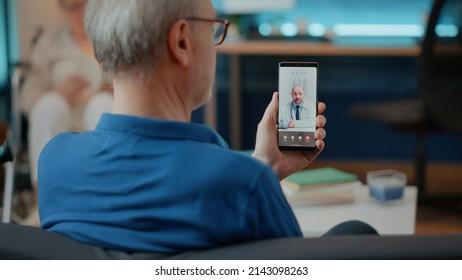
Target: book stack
(319, 186)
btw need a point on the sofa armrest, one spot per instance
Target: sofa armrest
(348, 247)
(19, 242)
(22, 242)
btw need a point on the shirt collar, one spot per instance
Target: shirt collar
(160, 128)
(302, 105)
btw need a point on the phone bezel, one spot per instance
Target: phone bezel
(299, 64)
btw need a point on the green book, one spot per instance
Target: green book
(318, 177)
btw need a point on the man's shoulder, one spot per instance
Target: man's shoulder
(64, 143)
(241, 166)
(63, 136)
(243, 158)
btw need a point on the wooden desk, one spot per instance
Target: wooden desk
(283, 48)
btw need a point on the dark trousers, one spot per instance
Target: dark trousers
(351, 228)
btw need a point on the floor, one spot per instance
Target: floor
(433, 220)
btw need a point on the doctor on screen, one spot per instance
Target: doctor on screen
(296, 113)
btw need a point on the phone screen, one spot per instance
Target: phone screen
(297, 105)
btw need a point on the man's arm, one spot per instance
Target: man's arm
(268, 214)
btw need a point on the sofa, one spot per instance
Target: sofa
(21, 242)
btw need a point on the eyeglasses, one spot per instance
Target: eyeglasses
(219, 28)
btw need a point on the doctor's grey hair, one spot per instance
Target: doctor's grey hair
(129, 36)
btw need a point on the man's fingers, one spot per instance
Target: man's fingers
(321, 121)
(320, 134)
(320, 145)
(321, 107)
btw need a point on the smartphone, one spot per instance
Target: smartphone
(298, 82)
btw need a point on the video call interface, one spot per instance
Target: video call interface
(297, 106)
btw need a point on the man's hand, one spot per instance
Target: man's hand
(291, 124)
(287, 162)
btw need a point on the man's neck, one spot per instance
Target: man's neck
(153, 99)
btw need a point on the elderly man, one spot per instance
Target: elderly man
(147, 179)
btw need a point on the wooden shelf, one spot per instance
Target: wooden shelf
(311, 48)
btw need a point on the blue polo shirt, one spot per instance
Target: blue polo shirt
(139, 184)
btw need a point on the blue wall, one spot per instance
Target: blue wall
(343, 83)
(330, 12)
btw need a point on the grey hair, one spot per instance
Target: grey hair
(128, 36)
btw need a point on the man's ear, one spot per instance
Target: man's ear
(179, 42)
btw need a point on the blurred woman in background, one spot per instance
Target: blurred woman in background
(64, 90)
